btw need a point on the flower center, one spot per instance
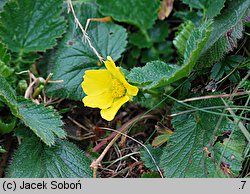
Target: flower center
(118, 90)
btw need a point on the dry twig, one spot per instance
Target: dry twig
(96, 163)
(125, 126)
(85, 35)
(216, 96)
(121, 133)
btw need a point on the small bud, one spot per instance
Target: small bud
(22, 86)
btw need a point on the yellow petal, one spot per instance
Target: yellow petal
(102, 101)
(109, 113)
(96, 82)
(110, 65)
(116, 72)
(131, 90)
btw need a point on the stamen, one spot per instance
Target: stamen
(118, 90)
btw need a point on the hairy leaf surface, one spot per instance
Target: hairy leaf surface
(33, 159)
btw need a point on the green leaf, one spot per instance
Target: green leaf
(227, 20)
(159, 51)
(195, 4)
(195, 44)
(139, 13)
(217, 71)
(153, 74)
(138, 39)
(212, 7)
(150, 101)
(2, 3)
(227, 29)
(33, 159)
(232, 158)
(4, 55)
(159, 32)
(192, 15)
(223, 46)
(145, 39)
(28, 25)
(44, 122)
(5, 69)
(147, 159)
(150, 175)
(156, 74)
(180, 41)
(226, 66)
(2, 150)
(8, 95)
(74, 56)
(7, 125)
(191, 150)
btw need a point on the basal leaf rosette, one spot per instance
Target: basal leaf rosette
(107, 89)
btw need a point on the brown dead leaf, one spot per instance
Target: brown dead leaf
(165, 9)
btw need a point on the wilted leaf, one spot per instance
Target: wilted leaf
(165, 9)
(159, 140)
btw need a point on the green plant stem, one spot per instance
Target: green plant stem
(216, 96)
(213, 107)
(241, 82)
(206, 111)
(241, 127)
(151, 135)
(37, 91)
(145, 33)
(237, 121)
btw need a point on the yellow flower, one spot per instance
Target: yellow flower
(107, 89)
